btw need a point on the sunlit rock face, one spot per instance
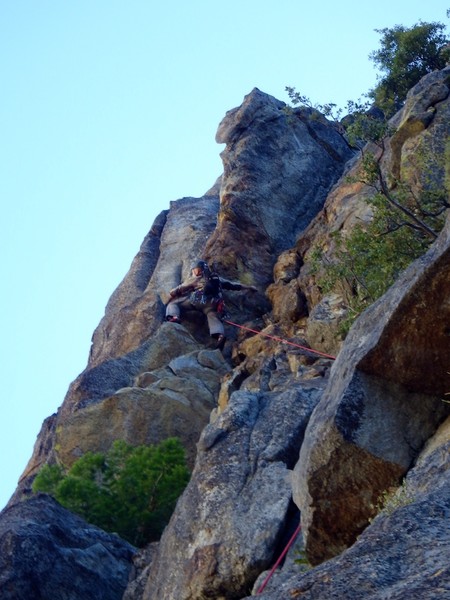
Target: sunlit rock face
(279, 193)
(279, 165)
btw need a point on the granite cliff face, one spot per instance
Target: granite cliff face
(277, 435)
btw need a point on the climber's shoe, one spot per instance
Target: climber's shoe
(171, 319)
(221, 339)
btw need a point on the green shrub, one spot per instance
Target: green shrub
(405, 56)
(131, 491)
(406, 218)
(367, 262)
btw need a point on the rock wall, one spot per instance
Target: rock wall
(382, 403)
(129, 340)
(277, 431)
(403, 553)
(235, 508)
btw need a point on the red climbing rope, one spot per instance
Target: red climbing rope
(278, 339)
(280, 558)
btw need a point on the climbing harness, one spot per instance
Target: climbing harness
(211, 291)
(221, 309)
(278, 339)
(198, 297)
(280, 558)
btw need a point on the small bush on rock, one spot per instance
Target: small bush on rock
(131, 491)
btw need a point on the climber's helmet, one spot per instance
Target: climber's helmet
(199, 264)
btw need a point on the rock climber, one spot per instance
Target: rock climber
(203, 291)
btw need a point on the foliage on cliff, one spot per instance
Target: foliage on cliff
(131, 491)
(405, 56)
(406, 219)
(404, 223)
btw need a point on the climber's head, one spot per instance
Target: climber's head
(198, 267)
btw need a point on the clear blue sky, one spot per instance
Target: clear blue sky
(108, 113)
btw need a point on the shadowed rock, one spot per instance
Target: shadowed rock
(402, 554)
(232, 514)
(48, 552)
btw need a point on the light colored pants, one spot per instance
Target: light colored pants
(215, 325)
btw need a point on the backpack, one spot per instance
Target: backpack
(212, 289)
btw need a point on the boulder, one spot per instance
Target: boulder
(47, 552)
(176, 401)
(403, 553)
(181, 382)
